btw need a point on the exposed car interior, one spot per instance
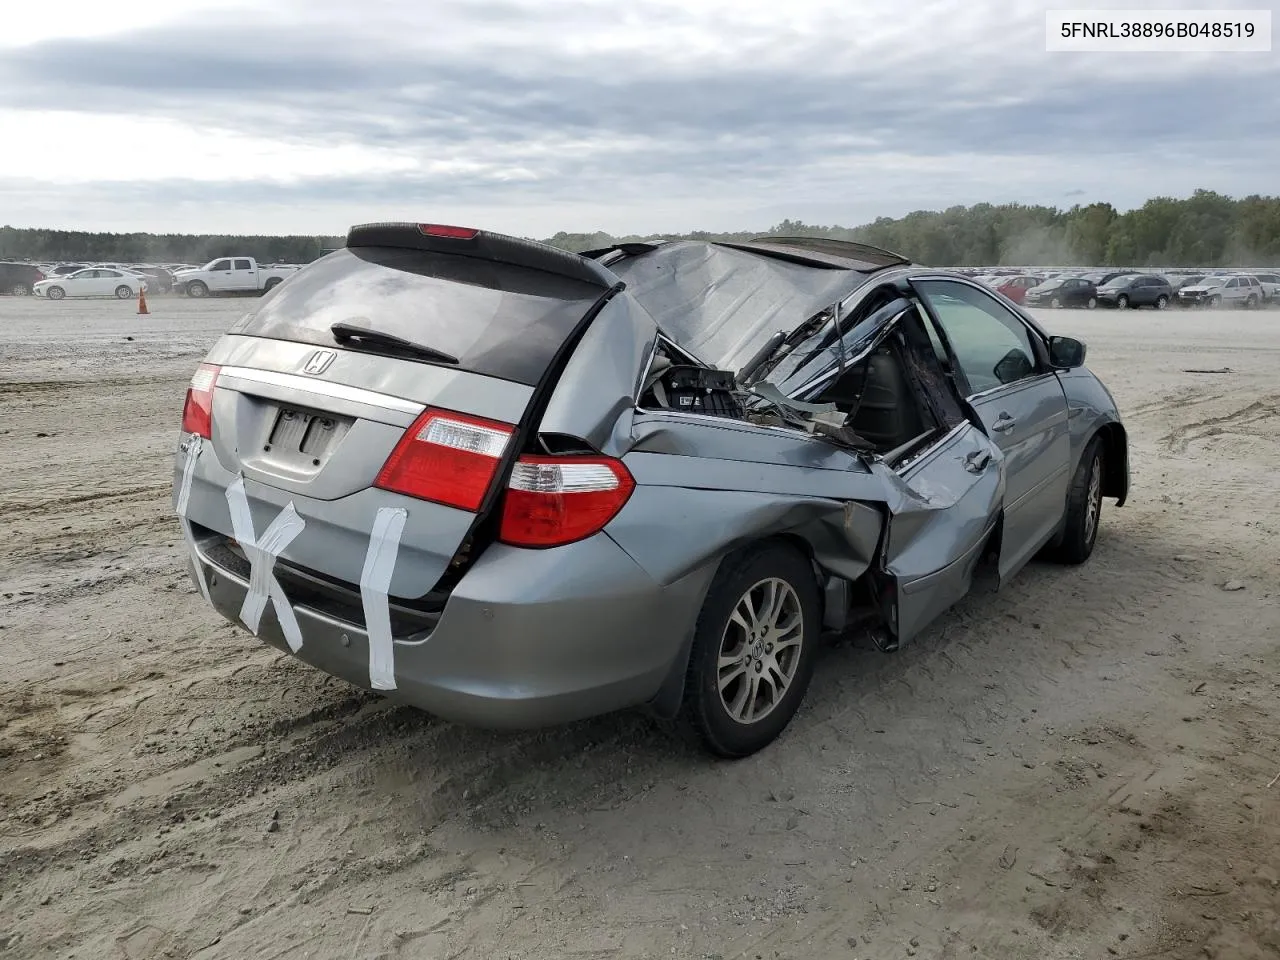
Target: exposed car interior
(880, 403)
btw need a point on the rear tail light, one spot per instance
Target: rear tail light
(443, 230)
(552, 501)
(197, 412)
(448, 458)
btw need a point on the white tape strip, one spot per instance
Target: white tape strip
(262, 554)
(184, 499)
(375, 581)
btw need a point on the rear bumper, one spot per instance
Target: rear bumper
(528, 638)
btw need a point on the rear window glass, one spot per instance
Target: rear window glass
(498, 320)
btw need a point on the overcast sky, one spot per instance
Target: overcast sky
(531, 116)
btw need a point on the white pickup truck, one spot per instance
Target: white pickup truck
(230, 275)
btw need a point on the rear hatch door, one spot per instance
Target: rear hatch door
(344, 425)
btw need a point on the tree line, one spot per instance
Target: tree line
(78, 246)
(1207, 229)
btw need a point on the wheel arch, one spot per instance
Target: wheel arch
(666, 703)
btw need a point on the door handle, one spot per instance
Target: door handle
(1004, 423)
(977, 461)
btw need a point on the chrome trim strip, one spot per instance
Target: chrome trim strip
(321, 388)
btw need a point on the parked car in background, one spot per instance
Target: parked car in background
(1183, 282)
(516, 486)
(1270, 287)
(1063, 292)
(231, 275)
(158, 278)
(1015, 288)
(62, 269)
(1240, 290)
(1136, 290)
(18, 279)
(92, 282)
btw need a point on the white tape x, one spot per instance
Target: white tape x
(375, 581)
(262, 553)
(184, 498)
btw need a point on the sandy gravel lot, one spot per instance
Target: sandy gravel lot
(1081, 765)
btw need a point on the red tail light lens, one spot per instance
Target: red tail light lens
(551, 501)
(448, 458)
(197, 412)
(442, 230)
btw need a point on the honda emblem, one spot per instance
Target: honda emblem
(319, 362)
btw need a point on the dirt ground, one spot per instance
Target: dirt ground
(1082, 764)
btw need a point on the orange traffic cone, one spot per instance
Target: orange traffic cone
(142, 301)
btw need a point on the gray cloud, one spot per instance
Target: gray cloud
(777, 117)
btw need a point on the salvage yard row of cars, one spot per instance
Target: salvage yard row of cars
(1121, 289)
(516, 486)
(70, 280)
(1124, 289)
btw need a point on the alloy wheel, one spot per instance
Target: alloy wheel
(760, 650)
(1093, 501)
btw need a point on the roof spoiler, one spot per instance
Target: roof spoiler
(849, 249)
(482, 245)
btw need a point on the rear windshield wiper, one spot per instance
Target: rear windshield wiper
(348, 332)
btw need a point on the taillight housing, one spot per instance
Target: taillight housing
(449, 232)
(551, 501)
(197, 411)
(446, 457)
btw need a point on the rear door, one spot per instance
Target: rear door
(89, 283)
(243, 275)
(108, 280)
(951, 475)
(1021, 403)
(308, 419)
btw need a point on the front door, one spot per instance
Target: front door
(220, 275)
(1021, 403)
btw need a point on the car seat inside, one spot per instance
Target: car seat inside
(878, 398)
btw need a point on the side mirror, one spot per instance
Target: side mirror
(1065, 353)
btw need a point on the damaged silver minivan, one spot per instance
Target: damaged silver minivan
(516, 486)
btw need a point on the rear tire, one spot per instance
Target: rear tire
(197, 289)
(55, 293)
(1091, 303)
(20, 290)
(753, 650)
(272, 284)
(1161, 302)
(1250, 303)
(1084, 508)
(123, 292)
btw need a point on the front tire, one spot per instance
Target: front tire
(1084, 507)
(197, 289)
(1122, 302)
(55, 293)
(1215, 303)
(753, 650)
(1056, 303)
